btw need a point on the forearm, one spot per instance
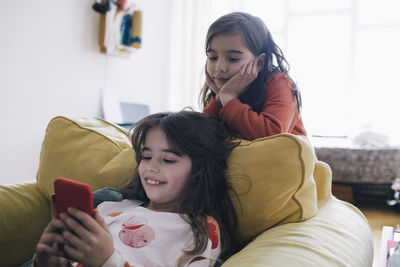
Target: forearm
(212, 108)
(225, 98)
(252, 125)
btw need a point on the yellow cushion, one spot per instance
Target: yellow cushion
(89, 150)
(323, 180)
(273, 177)
(24, 213)
(339, 235)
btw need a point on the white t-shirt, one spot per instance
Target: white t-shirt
(143, 237)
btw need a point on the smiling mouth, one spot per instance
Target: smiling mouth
(153, 182)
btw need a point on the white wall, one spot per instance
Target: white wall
(50, 65)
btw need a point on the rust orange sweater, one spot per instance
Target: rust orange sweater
(279, 113)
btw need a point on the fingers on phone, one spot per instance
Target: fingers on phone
(72, 240)
(50, 238)
(100, 220)
(80, 222)
(59, 225)
(55, 226)
(50, 243)
(52, 249)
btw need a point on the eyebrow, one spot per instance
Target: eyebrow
(164, 150)
(229, 51)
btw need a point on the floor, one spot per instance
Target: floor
(378, 214)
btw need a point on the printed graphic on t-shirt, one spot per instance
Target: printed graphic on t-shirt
(136, 233)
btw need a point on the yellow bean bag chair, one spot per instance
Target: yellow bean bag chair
(287, 215)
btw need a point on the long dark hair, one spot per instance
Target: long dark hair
(258, 40)
(207, 191)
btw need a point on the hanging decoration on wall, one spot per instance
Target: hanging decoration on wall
(120, 27)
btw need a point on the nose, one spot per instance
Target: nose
(221, 65)
(153, 166)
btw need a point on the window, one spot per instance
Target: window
(344, 58)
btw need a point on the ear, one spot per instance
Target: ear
(261, 61)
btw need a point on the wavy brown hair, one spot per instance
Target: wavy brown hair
(258, 40)
(207, 192)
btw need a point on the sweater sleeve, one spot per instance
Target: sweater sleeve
(279, 113)
(212, 109)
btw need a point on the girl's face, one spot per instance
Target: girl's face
(163, 171)
(225, 56)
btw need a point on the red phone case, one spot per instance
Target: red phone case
(70, 193)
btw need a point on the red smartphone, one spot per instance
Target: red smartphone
(70, 193)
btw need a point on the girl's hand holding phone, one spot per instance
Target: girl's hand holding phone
(88, 239)
(48, 252)
(239, 83)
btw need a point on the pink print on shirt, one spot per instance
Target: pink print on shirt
(136, 233)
